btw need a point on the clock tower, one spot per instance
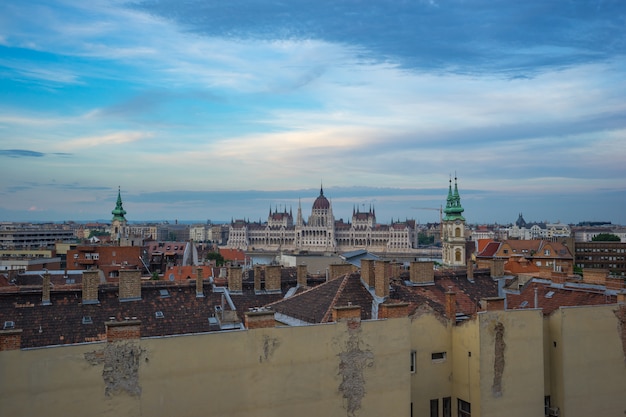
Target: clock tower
(453, 229)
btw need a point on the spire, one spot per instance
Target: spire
(453, 208)
(321, 189)
(119, 212)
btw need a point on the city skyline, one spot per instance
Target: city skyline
(212, 110)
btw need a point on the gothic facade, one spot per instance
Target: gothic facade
(321, 232)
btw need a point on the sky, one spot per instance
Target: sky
(207, 109)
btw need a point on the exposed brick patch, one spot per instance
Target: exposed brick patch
(10, 339)
(120, 367)
(352, 362)
(498, 361)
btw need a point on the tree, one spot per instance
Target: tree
(606, 237)
(217, 257)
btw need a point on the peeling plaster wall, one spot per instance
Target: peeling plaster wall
(588, 361)
(261, 373)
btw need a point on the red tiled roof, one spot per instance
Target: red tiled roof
(551, 298)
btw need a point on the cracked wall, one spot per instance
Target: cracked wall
(269, 347)
(120, 367)
(352, 363)
(498, 359)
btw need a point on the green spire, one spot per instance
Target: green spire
(119, 212)
(453, 208)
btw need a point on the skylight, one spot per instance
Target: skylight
(87, 320)
(159, 315)
(549, 294)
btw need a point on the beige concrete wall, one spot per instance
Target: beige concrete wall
(466, 365)
(330, 370)
(588, 361)
(511, 363)
(431, 379)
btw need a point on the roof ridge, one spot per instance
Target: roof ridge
(342, 286)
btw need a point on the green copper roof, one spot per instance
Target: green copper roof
(453, 208)
(119, 212)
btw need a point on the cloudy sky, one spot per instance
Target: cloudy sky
(208, 109)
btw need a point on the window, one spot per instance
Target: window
(87, 320)
(164, 293)
(434, 408)
(159, 315)
(438, 356)
(413, 361)
(9, 325)
(465, 408)
(447, 407)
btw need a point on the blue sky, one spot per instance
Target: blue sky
(220, 109)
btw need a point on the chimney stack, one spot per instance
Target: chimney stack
(45, 290)
(422, 272)
(301, 273)
(339, 270)
(392, 310)
(235, 284)
(10, 339)
(130, 285)
(91, 280)
(199, 282)
(123, 330)
(272, 278)
(258, 319)
(497, 268)
(347, 313)
(258, 270)
(451, 305)
(367, 272)
(381, 278)
(492, 303)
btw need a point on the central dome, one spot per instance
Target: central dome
(321, 202)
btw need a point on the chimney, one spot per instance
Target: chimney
(392, 310)
(347, 313)
(381, 278)
(272, 278)
(10, 339)
(258, 270)
(339, 270)
(422, 272)
(258, 319)
(123, 330)
(470, 271)
(45, 290)
(492, 303)
(199, 284)
(451, 305)
(235, 284)
(130, 285)
(91, 280)
(497, 268)
(301, 274)
(367, 272)
(621, 298)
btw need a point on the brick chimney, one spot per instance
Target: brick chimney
(451, 305)
(258, 271)
(272, 278)
(130, 285)
(10, 339)
(492, 303)
(392, 310)
(381, 278)
(349, 312)
(258, 319)
(123, 330)
(339, 270)
(45, 290)
(235, 284)
(91, 280)
(199, 282)
(367, 272)
(621, 298)
(422, 272)
(497, 268)
(470, 271)
(301, 273)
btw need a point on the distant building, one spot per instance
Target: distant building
(453, 239)
(34, 236)
(322, 233)
(528, 231)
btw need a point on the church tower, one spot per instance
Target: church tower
(119, 228)
(453, 229)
